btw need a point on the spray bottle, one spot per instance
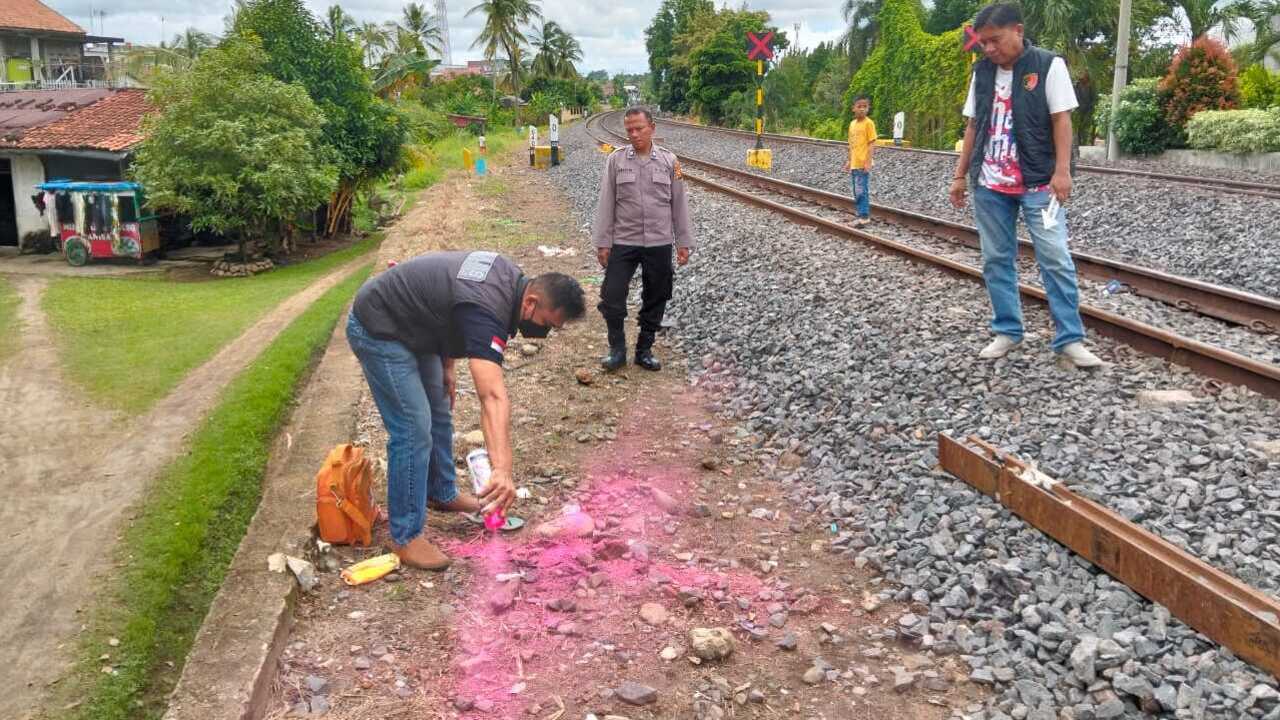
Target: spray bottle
(481, 470)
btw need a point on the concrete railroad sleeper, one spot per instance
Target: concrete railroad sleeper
(1221, 607)
(1239, 187)
(1206, 359)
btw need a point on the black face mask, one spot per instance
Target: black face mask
(531, 329)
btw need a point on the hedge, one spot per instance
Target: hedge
(1236, 131)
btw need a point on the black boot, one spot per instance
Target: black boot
(644, 352)
(617, 356)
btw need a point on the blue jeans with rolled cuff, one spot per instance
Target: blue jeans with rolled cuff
(409, 392)
(861, 182)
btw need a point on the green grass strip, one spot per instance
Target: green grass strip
(174, 555)
(8, 318)
(129, 341)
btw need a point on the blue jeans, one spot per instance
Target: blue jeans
(997, 216)
(409, 392)
(861, 181)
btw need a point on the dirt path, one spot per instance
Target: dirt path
(689, 529)
(72, 470)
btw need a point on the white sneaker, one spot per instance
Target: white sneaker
(1080, 356)
(998, 347)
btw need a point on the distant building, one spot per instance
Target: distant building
(40, 49)
(473, 67)
(60, 116)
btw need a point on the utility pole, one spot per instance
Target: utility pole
(796, 44)
(1121, 77)
(442, 21)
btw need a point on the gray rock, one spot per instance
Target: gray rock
(362, 663)
(814, 675)
(316, 684)
(633, 693)
(903, 680)
(1084, 659)
(711, 643)
(788, 641)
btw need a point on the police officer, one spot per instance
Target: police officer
(642, 212)
(407, 327)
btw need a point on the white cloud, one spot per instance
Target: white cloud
(612, 34)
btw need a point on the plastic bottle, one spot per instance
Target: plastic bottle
(478, 463)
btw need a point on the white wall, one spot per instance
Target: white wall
(27, 173)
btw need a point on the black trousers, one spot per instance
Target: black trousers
(657, 276)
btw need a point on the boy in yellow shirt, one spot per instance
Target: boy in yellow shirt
(862, 140)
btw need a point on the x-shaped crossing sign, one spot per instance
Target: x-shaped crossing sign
(971, 39)
(759, 47)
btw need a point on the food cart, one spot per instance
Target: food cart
(95, 220)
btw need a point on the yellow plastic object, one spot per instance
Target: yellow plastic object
(606, 148)
(468, 161)
(761, 158)
(542, 157)
(886, 142)
(367, 571)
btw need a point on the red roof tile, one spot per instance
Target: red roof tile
(113, 123)
(35, 15)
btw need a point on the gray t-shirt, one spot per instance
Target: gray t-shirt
(417, 302)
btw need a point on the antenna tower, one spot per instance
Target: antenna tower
(442, 17)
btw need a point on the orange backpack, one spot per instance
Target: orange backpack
(344, 504)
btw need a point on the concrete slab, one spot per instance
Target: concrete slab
(233, 662)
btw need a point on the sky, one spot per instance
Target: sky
(611, 33)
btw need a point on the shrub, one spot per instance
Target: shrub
(1202, 76)
(1236, 131)
(1140, 124)
(831, 129)
(1259, 87)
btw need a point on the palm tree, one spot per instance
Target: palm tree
(1205, 15)
(374, 42)
(337, 23)
(501, 32)
(542, 42)
(422, 25)
(568, 52)
(863, 28)
(191, 42)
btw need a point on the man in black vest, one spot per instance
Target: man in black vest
(407, 327)
(1017, 154)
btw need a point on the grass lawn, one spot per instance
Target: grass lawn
(173, 557)
(8, 323)
(128, 342)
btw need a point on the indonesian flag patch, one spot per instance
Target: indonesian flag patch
(498, 345)
(1030, 81)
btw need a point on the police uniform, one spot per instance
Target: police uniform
(642, 212)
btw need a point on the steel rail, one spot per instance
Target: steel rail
(1221, 607)
(1243, 187)
(1205, 359)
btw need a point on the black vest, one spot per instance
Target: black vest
(413, 302)
(1032, 127)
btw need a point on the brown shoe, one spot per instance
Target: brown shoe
(421, 553)
(462, 504)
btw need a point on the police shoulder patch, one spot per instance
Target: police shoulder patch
(476, 266)
(676, 169)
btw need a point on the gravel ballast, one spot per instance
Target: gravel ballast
(854, 361)
(1215, 236)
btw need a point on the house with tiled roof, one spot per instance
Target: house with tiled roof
(60, 117)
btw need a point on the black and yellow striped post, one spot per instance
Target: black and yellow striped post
(759, 50)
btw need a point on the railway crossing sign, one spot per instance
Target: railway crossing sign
(971, 40)
(760, 48)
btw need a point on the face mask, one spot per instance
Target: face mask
(531, 329)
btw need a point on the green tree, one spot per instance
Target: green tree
(555, 51)
(1202, 77)
(337, 23)
(926, 76)
(233, 148)
(363, 135)
(951, 14)
(719, 66)
(668, 55)
(1205, 15)
(862, 29)
(422, 27)
(191, 43)
(374, 42)
(502, 33)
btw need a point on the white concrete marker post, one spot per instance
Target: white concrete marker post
(553, 132)
(899, 124)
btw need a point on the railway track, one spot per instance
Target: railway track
(1260, 313)
(1240, 187)
(1227, 610)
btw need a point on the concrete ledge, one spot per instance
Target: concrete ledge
(1256, 162)
(233, 662)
